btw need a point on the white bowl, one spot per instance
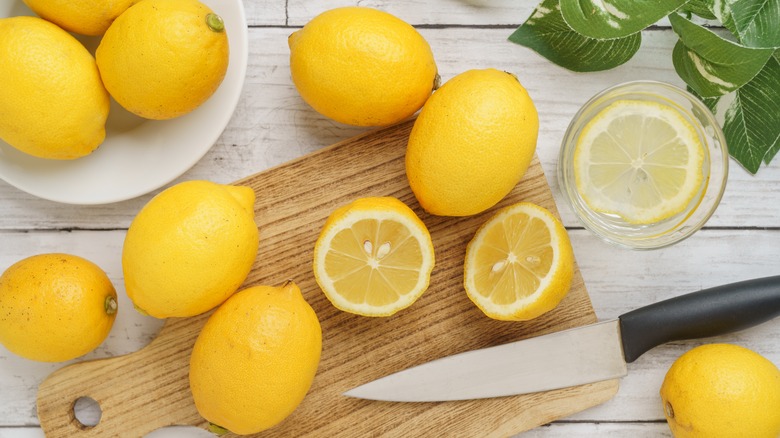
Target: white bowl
(138, 155)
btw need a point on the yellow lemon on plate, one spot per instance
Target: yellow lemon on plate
(190, 248)
(86, 17)
(722, 391)
(520, 263)
(373, 257)
(640, 160)
(55, 307)
(255, 359)
(472, 143)
(163, 58)
(362, 66)
(53, 103)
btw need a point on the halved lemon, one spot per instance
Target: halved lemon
(520, 263)
(373, 257)
(641, 160)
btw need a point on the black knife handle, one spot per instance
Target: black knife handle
(710, 312)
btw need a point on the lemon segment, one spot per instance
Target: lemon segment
(520, 263)
(373, 257)
(640, 160)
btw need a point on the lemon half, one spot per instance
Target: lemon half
(520, 263)
(373, 257)
(641, 160)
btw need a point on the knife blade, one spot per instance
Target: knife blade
(580, 355)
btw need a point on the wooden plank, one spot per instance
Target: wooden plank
(273, 125)
(617, 281)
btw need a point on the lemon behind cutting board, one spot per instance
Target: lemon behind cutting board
(362, 66)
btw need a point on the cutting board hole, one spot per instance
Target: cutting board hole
(87, 412)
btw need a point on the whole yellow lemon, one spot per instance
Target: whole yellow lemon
(55, 307)
(255, 358)
(722, 391)
(53, 103)
(361, 66)
(472, 143)
(190, 248)
(87, 17)
(163, 58)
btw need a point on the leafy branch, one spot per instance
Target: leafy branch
(742, 68)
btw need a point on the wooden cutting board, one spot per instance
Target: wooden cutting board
(148, 389)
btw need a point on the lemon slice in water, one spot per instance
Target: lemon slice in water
(640, 160)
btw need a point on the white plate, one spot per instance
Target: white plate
(138, 156)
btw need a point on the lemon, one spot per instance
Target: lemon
(361, 66)
(55, 307)
(722, 391)
(520, 263)
(53, 103)
(373, 257)
(255, 358)
(472, 143)
(87, 17)
(640, 160)
(163, 58)
(190, 248)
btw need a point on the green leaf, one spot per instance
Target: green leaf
(722, 12)
(606, 19)
(752, 122)
(702, 8)
(547, 33)
(757, 22)
(710, 102)
(711, 65)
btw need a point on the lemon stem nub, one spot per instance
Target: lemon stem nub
(110, 305)
(217, 429)
(436, 82)
(215, 22)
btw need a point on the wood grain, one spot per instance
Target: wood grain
(148, 389)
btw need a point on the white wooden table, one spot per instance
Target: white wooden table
(272, 125)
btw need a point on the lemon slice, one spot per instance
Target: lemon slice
(640, 160)
(373, 257)
(520, 263)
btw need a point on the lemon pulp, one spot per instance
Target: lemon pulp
(520, 263)
(374, 257)
(641, 160)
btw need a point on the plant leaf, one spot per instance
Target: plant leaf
(606, 19)
(752, 122)
(547, 33)
(710, 102)
(711, 65)
(722, 12)
(757, 22)
(702, 8)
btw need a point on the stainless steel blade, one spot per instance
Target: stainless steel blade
(567, 358)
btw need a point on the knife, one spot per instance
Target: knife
(580, 355)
